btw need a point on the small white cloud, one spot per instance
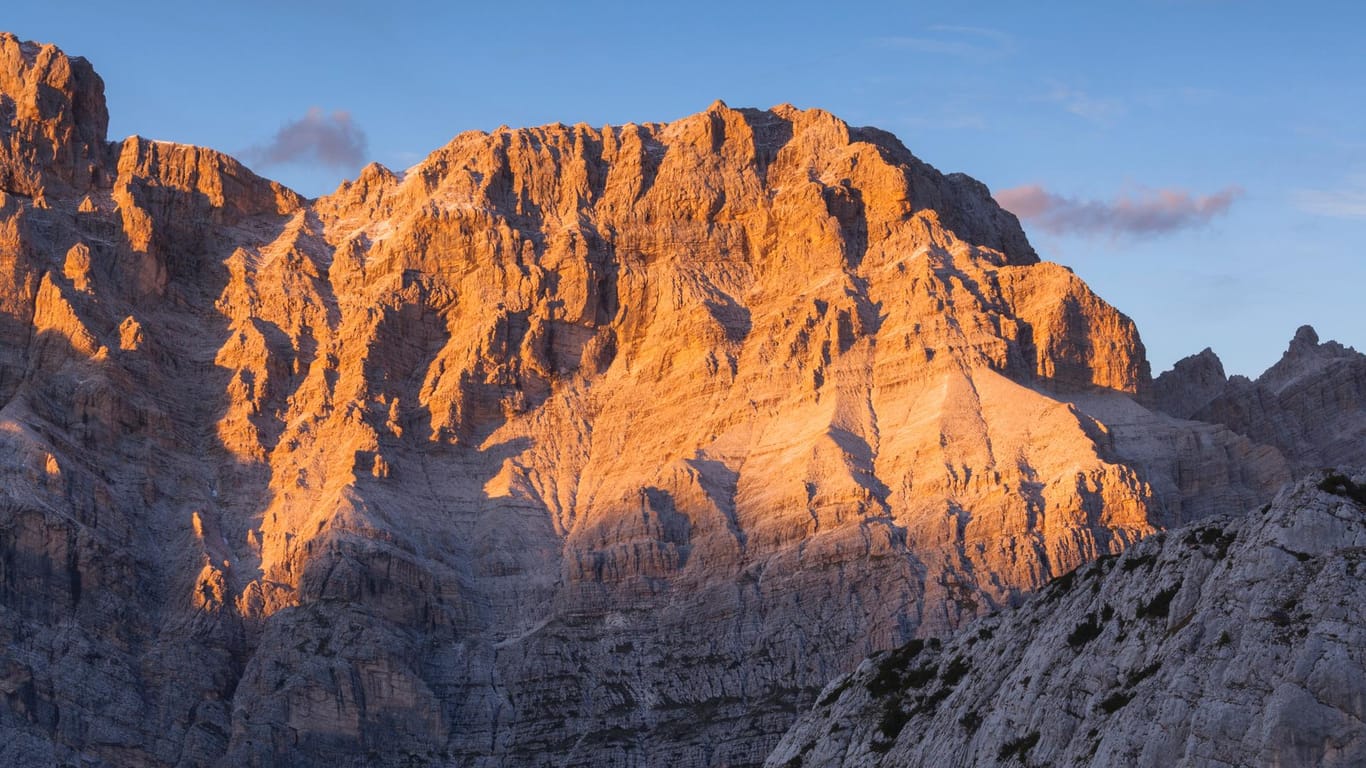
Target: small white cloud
(1086, 106)
(1345, 202)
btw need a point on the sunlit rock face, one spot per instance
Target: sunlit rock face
(1233, 641)
(569, 446)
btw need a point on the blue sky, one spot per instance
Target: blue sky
(1254, 112)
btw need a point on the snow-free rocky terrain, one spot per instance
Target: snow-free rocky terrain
(1235, 641)
(569, 446)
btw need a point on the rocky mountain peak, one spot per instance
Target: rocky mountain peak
(864, 178)
(1190, 385)
(1305, 356)
(1310, 405)
(1305, 336)
(53, 119)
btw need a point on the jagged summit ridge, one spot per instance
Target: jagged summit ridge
(1311, 404)
(452, 465)
(752, 138)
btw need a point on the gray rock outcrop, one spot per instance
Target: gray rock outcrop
(1235, 641)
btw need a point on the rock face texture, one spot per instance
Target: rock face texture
(569, 446)
(53, 111)
(1234, 641)
(1310, 405)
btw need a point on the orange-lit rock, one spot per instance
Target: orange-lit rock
(566, 433)
(56, 119)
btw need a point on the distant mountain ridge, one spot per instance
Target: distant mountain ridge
(1311, 405)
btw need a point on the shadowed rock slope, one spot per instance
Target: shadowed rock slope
(1311, 405)
(1234, 641)
(568, 446)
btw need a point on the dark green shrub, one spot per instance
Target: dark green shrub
(931, 703)
(1135, 562)
(1159, 606)
(1018, 747)
(1342, 485)
(955, 670)
(893, 720)
(1143, 674)
(1115, 701)
(889, 677)
(1060, 586)
(1222, 544)
(916, 678)
(1085, 632)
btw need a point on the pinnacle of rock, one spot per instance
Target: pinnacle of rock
(1305, 336)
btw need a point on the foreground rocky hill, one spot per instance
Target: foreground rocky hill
(569, 446)
(1234, 641)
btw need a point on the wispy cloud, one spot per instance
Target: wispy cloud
(951, 40)
(1082, 104)
(1345, 202)
(947, 120)
(317, 138)
(1148, 212)
(1176, 97)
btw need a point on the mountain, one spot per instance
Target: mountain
(567, 446)
(1233, 641)
(1311, 405)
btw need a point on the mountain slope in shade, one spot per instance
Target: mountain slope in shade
(569, 446)
(1234, 641)
(1311, 405)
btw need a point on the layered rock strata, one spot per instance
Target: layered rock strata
(568, 446)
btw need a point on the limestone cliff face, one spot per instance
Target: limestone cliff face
(1311, 405)
(54, 119)
(1234, 641)
(569, 446)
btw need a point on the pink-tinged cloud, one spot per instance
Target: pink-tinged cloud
(317, 138)
(1150, 212)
